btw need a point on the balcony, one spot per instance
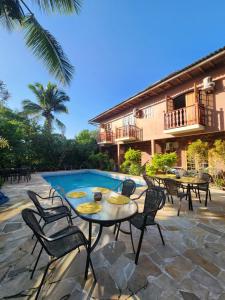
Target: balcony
(185, 120)
(128, 133)
(106, 137)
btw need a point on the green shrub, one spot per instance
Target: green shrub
(198, 151)
(133, 156)
(132, 163)
(134, 169)
(161, 162)
(124, 167)
(100, 161)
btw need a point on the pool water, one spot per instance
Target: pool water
(80, 180)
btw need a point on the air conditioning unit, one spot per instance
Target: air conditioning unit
(137, 112)
(208, 84)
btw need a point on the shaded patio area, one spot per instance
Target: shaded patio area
(190, 266)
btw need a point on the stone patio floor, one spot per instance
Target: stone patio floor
(190, 266)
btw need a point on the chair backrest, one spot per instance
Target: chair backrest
(149, 181)
(33, 197)
(29, 217)
(128, 187)
(155, 199)
(172, 186)
(207, 177)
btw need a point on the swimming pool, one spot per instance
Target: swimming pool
(80, 180)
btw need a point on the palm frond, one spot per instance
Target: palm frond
(60, 125)
(61, 6)
(45, 47)
(38, 90)
(11, 13)
(60, 108)
(31, 108)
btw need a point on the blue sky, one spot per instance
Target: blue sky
(118, 48)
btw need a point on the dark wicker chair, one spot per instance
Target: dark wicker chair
(154, 201)
(149, 181)
(57, 245)
(204, 187)
(173, 190)
(128, 187)
(49, 215)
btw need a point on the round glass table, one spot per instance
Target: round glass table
(109, 215)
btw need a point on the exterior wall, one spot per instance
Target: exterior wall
(154, 138)
(153, 127)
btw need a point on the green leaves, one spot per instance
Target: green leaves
(60, 6)
(15, 13)
(45, 47)
(50, 101)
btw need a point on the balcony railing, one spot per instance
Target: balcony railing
(129, 133)
(185, 116)
(106, 137)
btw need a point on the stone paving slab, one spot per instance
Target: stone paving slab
(190, 266)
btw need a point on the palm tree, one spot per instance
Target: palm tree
(50, 101)
(14, 13)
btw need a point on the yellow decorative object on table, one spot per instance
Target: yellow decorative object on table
(76, 194)
(89, 208)
(118, 200)
(101, 190)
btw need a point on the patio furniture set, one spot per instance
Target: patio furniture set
(15, 174)
(71, 237)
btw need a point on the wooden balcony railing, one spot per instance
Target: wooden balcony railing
(129, 132)
(106, 137)
(185, 116)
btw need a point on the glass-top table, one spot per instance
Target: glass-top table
(110, 214)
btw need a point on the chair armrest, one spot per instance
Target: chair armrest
(59, 237)
(55, 207)
(139, 195)
(56, 196)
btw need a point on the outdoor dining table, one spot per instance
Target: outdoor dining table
(110, 214)
(187, 181)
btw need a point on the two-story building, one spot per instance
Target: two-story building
(170, 114)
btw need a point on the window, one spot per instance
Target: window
(148, 112)
(129, 120)
(108, 127)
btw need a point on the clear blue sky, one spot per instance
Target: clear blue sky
(118, 47)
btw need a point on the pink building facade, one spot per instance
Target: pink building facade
(170, 114)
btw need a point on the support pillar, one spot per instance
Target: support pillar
(152, 147)
(118, 155)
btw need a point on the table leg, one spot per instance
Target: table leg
(189, 197)
(90, 247)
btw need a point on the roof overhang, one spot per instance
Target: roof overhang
(199, 67)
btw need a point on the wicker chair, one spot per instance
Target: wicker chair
(149, 181)
(49, 215)
(154, 201)
(204, 187)
(128, 187)
(57, 245)
(173, 189)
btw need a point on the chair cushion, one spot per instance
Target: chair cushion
(138, 220)
(66, 244)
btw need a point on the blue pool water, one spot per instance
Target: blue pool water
(80, 180)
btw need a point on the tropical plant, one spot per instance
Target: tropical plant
(50, 101)
(17, 13)
(132, 162)
(161, 163)
(100, 161)
(198, 151)
(3, 143)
